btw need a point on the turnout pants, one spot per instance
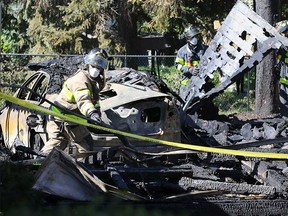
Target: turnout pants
(61, 134)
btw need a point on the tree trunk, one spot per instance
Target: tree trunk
(127, 28)
(266, 81)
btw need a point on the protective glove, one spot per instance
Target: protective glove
(95, 116)
(193, 70)
(278, 68)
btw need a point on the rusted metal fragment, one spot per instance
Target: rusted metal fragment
(231, 53)
(189, 183)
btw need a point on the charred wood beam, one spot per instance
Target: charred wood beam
(257, 143)
(200, 172)
(242, 188)
(262, 171)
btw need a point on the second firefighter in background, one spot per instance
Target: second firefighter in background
(189, 55)
(282, 69)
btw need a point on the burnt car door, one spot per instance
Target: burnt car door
(21, 126)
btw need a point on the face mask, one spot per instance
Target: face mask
(193, 41)
(94, 72)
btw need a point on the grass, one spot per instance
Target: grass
(230, 102)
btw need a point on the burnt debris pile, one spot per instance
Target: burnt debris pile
(178, 173)
(58, 69)
(226, 170)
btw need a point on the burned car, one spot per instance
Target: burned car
(20, 126)
(131, 102)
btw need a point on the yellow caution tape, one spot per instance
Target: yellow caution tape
(79, 120)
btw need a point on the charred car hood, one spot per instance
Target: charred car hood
(116, 95)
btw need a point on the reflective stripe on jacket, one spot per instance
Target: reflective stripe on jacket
(283, 57)
(79, 93)
(185, 81)
(56, 110)
(284, 81)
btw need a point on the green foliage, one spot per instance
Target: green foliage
(8, 41)
(284, 11)
(12, 71)
(68, 27)
(230, 102)
(171, 77)
(72, 26)
(77, 26)
(14, 27)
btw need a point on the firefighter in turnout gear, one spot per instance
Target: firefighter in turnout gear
(187, 61)
(188, 56)
(282, 68)
(79, 94)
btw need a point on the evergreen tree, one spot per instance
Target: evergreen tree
(73, 26)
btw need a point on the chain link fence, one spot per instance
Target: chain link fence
(239, 97)
(151, 63)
